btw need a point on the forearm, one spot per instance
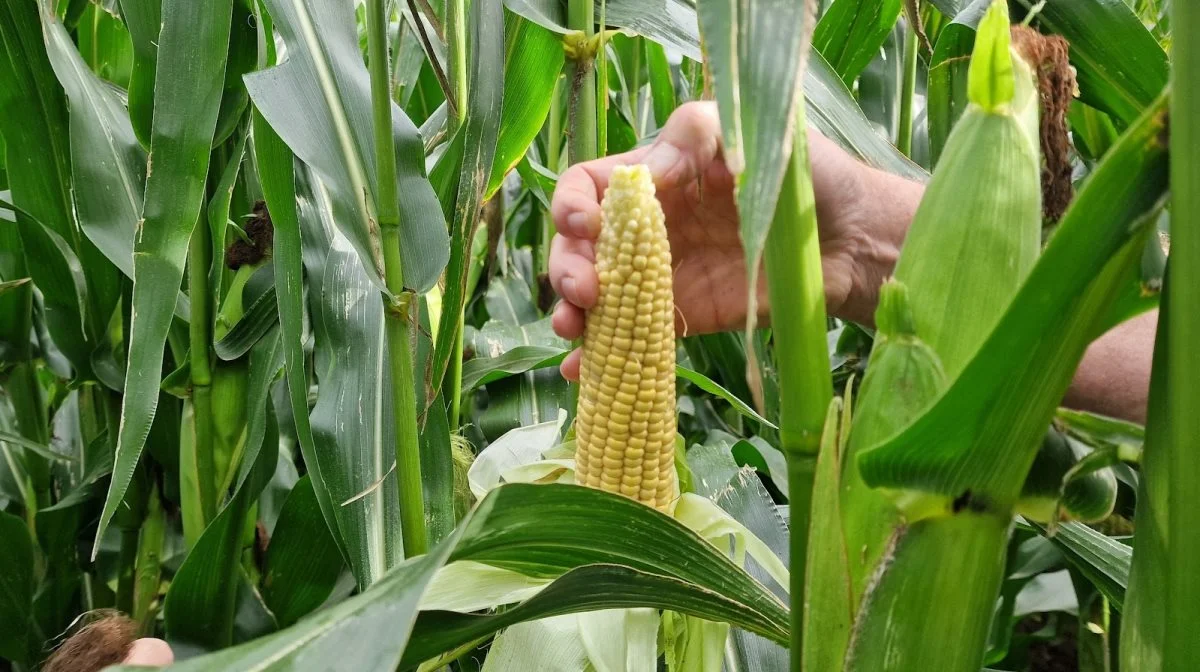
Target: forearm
(1114, 377)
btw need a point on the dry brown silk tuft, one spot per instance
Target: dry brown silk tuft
(1049, 56)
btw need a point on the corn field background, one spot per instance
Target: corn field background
(278, 380)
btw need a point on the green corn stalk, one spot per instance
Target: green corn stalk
(932, 319)
(1161, 608)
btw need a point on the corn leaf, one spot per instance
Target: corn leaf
(319, 102)
(354, 458)
(831, 108)
(757, 93)
(200, 604)
(988, 422)
(1103, 560)
(16, 589)
(144, 20)
(647, 560)
(107, 163)
(192, 58)
(31, 100)
(302, 563)
(851, 32)
(480, 130)
(1121, 67)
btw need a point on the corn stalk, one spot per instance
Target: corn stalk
(399, 303)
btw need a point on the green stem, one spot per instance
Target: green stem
(200, 339)
(797, 295)
(554, 131)
(396, 315)
(581, 73)
(456, 47)
(456, 364)
(456, 38)
(149, 558)
(904, 134)
(1183, 359)
(602, 88)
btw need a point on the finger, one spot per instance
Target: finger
(575, 207)
(687, 145)
(570, 365)
(573, 271)
(149, 652)
(568, 320)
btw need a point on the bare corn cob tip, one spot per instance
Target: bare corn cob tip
(625, 429)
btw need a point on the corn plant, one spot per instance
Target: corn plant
(278, 382)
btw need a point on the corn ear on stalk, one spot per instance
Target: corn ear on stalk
(625, 427)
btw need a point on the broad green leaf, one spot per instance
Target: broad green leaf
(1103, 560)
(484, 370)
(988, 422)
(191, 60)
(367, 632)
(480, 131)
(757, 92)
(33, 114)
(199, 607)
(319, 102)
(603, 551)
(201, 602)
(302, 563)
(107, 163)
(104, 41)
(1121, 69)
(662, 84)
(243, 54)
(259, 318)
(144, 20)
(350, 363)
(851, 32)
(533, 59)
(277, 171)
(831, 108)
(16, 588)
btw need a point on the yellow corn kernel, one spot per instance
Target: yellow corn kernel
(625, 428)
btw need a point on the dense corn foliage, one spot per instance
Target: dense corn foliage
(279, 380)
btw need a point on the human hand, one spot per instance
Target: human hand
(860, 229)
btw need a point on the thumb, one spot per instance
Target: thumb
(149, 652)
(689, 142)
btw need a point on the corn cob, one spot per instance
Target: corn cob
(625, 428)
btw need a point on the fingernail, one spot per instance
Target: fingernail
(569, 291)
(580, 224)
(661, 159)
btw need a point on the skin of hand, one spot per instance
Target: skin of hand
(149, 652)
(862, 214)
